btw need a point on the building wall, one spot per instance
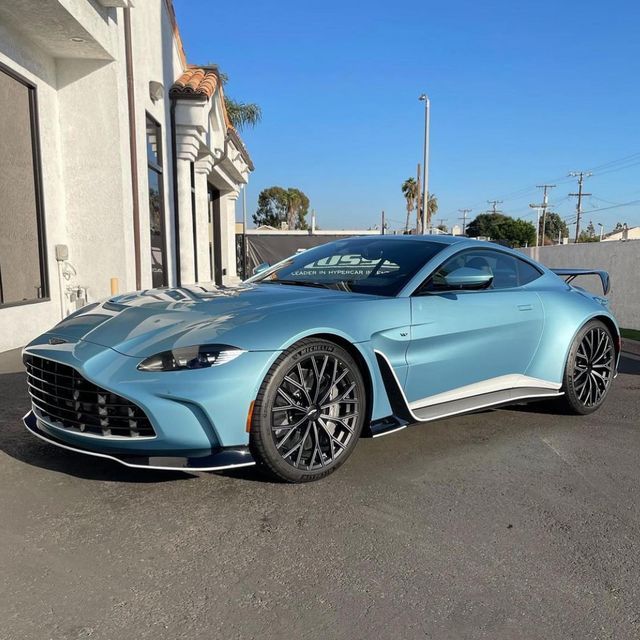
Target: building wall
(85, 154)
(19, 324)
(620, 259)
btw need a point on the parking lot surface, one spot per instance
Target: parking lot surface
(515, 524)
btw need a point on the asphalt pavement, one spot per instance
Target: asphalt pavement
(511, 524)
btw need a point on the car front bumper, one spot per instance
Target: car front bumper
(218, 460)
(199, 416)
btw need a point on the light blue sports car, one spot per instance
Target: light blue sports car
(362, 336)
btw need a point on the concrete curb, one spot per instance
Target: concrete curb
(631, 346)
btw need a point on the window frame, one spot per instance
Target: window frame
(38, 190)
(416, 291)
(158, 168)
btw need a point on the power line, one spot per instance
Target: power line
(615, 206)
(618, 164)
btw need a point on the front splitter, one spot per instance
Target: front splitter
(219, 459)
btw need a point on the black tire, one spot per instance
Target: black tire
(323, 386)
(590, 369)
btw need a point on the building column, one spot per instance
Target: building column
(203, 168)
(187, 149)
(228, 236)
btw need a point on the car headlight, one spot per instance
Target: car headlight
(196, 357)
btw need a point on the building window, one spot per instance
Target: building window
(23, 274)
(156, 204)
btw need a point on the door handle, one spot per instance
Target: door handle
(525, 307)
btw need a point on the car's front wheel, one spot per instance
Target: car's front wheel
(590, 368)
(309, 412)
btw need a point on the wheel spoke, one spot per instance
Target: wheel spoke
(287, 397)
(332, 438)
(299, 386)
(288, 407)
(295, 425)
(581, 371)
(316, 447)
(320, 376)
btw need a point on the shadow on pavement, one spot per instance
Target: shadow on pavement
(629, 365)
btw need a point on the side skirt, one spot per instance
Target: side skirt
(403, 413)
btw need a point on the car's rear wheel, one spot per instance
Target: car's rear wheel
(590, 368)
(309, 413)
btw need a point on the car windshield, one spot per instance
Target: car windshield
(362, 265)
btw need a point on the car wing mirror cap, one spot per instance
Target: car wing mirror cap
(260, 268)
(468, 278)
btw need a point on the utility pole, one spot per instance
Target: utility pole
(425, 162)
(542, 207)
(383, 224)
(581, 175)
(245, 275)
(494, 205)
(464, 213)
(418, 202)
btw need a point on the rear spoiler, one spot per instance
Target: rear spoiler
(571, 274)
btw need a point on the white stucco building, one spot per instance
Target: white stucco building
(119, 169)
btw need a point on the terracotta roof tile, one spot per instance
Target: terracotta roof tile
(195, 82)
(201, 82)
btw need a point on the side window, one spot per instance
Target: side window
(527, 273)
(507, 270)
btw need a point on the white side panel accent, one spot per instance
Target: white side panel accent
(501, 383)
(533, 388)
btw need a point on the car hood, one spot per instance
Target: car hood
(145, 323)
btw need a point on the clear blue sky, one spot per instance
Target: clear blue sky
(522, 93)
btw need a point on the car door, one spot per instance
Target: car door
(461, 338)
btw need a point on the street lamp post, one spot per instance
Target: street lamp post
(425, 163)
(601, 230)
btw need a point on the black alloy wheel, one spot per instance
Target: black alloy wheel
(309, 413)
(590, 368)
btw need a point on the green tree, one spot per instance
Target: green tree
(277, 205)
(410, 192)
(589, 234)
(554, 228)
(497, 226)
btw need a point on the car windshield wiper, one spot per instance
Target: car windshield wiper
(300, 283)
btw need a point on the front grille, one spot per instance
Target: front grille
(67, 400)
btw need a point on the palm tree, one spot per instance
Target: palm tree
(242, 114)
(410, 192)
(432, 207)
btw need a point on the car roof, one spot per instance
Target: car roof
(442, 239)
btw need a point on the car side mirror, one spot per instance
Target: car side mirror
(260, 268)
(465, 278)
